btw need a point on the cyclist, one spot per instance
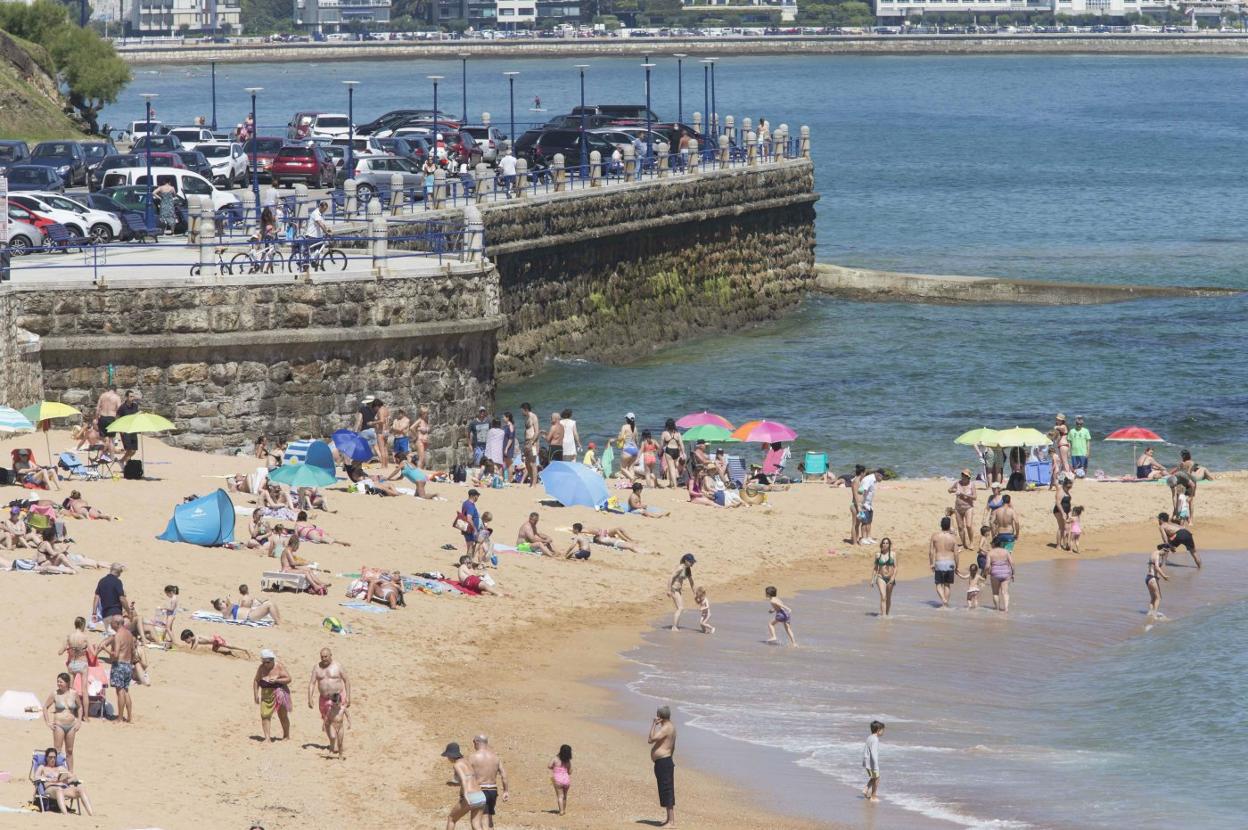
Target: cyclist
(317, 229)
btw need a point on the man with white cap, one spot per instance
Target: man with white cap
(488, 768)
(271, 687)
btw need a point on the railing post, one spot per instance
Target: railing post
(730, 127)
(751, 148)
(662, 149)
(396, 193)
(207, 243)
(522, 178)
(483, 176)
(804, 147)
(560, 172)
(376, 246)
(474, 234)
(695, 155)
(439, 188)
(595, 169)
(746, 126)
(697, 122)
(723, 150)
(349, 202)
(630, 162)
(778, 142)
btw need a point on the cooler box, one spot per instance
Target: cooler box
(1039, 473)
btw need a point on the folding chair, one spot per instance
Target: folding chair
(136, 224)
(45, 802)
(736, 470)
(70, 462)
(60, 237)
(101, 458)
(815, 464)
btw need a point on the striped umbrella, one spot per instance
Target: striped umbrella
(13, 421)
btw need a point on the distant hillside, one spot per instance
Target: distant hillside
(30, 104)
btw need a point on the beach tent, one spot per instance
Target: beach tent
(318, 454)
(17, 706)
(207, 521)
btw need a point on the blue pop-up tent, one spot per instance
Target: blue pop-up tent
(320, 455)
(207, 521)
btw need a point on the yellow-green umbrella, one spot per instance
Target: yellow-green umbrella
(42, 412)
(1021, 437)
(141, 422)
(983, 435)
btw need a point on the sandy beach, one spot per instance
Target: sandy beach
(445, 668)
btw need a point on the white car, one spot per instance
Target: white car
(138, 129)
(77, 218)
(330, 124)
(23, 236)
(228, 161)
(192, 137)
(184, 182)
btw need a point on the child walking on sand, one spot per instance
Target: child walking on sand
(339, 721)
(704, 605)
(975, 580)
(781, 614)
(561, 777)
(1076, 527)
(871, 762)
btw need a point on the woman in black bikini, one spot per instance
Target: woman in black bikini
(1156, 573)
(1061, 512)
(884, 575)
(673, 451)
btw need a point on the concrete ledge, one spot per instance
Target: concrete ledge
(214, 341)
(889, 286)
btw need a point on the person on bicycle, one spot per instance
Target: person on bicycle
(317, 228)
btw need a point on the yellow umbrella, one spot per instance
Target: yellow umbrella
(141, 422)
(44, 411)
(1021, 437)
(983, 435)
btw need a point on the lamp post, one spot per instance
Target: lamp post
(214, 96)
(349, 166)
(511, 97)
(713, 118)
(706, 93)
(463, 65)
(649, 139)
(435, 79)
(255, 165)
(581, 67)
(150, 213)
(680, 86)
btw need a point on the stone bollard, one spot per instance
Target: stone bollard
(485, 119)
(397, 194)
(661, 150)
(378, 229)
(595, 169)
(695, 155)
(778, 141)
(697, 122)
(560, 172)
(474, 234)
(522, 178)
(350, 204)
(730, 127)
(804, 142)
(723, 150)
(746, 125)
(439, 188)
(202, 214)
(630, 162)
(302, 206)
(484, 177)
(751, 148)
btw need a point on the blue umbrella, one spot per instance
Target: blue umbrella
(13, 421)
(569, 483)
(351, 445)
(303, 475)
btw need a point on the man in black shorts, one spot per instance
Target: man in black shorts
(490, 774)
(1173, 535)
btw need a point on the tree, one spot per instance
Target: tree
(91, 70)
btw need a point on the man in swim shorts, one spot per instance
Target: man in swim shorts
(532, 434)
(1173, 535)
(489, 771)
(120, 646)
(942, 557)
(662, 747)
(1005, 525)
(1080, 444)
(328, 679)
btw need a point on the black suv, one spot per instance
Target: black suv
(65, 157)
(13, 153)
(538, 147)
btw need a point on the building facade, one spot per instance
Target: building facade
(172, 17)
(516, 14)
(901, 9)
(479, 14)
(329, 15)
(788, 8)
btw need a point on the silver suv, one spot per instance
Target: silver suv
(489, 140)
(373, 173)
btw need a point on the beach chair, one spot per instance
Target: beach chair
(45, 802)
(736, 470)
(70, 463)
(773, 464)
(136, 224)
(296, 452)
(24, 454)
(815, 464)
(59, 237)
(101, 458)
(97, 686)
(280, 580)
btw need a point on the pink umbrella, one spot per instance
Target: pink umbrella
(768, 432)
(703, 418)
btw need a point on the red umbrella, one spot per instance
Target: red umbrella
(1137, 435)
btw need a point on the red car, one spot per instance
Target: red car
(265, 148)
(19, 213)
(310, 165)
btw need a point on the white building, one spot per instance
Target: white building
(917, 8)
(516, 14)
(172, 17)
(328, 15)
(788, 8)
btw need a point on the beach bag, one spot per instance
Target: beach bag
(462, 523)
(459, 474)
(332, 624)
(133, 471)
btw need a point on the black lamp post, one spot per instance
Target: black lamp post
(435, 79)
(150, 213)
(706, 93)
(463, 65)
(255, 164)
(649, 138)
(214, 96)
(581, 67)
(511, 97)
(680, 86)
(349, 166)
(713, 118)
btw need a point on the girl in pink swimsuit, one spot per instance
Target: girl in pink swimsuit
(561, 777)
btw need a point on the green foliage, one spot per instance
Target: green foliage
(844, 13)
(264, 17)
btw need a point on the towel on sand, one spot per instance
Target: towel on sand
(367, 607)
(459, 586)
(214, 617)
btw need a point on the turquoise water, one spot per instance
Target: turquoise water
(1072, 713)
(1094, 168)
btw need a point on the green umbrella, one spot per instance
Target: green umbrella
(983, 435)
(141, 422)
(303, 475)
(1022, 437)
(710, 433)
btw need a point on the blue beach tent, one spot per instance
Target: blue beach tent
(207, 521)
(319, 455)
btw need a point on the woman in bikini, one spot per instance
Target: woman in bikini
(1061, 512)
(964, 508)
(673, 452)
(386, 587)
(79, 509)
(509, 446)
(677, 583)
(695, 486)
(1063, 444)
(1152, 579)
(276, 504)
(261, 535)
(247, 609)
(626, 443)
(421, 433)
(309, 532)
(650, 458)
(78, 656)
(62, 713)
(1001, 572)
(884, 575)
(59, 783)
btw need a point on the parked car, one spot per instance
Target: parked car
(332, 124)
(337, 154)
(622, 138)
(361, 145)
(373, 173)
(228, 161)
(538, 147)
(184, 182)
(191, 137)
(300, 127)
(107, 204)
(11, 153)
(138, 129)
(65, 157)
(196, 161)
(489, 140)
(95, 176)
(309, 165)
(264, 148)
(637, 111)
(573, 122)
(96, 151)
(412, 147)
(35, 177)
(134, 198)
(162, 143)
(390, 120)
(77, 218)
(22, 234)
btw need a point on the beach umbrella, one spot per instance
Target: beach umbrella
(303, 475)
(740, 432)
(570, 483)
(711, 433)
(13, 421)
(351, 445)
(765, 432)
(704, 418)
(43, 412)
(983, 435)
(1135, 435)
(141, 422)
(1021, 437)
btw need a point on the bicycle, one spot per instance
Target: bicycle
(314, 254)
(257, 259)
(223, 267)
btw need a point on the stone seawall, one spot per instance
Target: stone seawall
(611, 274)
(21, 372)
(231, 361)
(1132, 44)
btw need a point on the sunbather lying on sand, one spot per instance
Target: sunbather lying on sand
(217, 643)
(77, 507)
(616, 537)
(247, 608)
(387, 588)
(309, 532)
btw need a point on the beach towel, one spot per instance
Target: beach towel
(214, 617)
(459, 586)
(419, 583)
(367, 607)
(14, 706)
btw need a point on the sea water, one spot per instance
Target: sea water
(1073, 711)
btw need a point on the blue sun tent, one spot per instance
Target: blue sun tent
(320, 455)
(207, 521)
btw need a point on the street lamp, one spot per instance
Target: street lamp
(511, 97)
(349, 166)
(711, 120)
(680, 86)
(255, 165)
(435, 79)
(463, 61)
(714, 111)
(150, 213)
(649, 139)
(214, 96)
(584, 154)
(706, 92)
